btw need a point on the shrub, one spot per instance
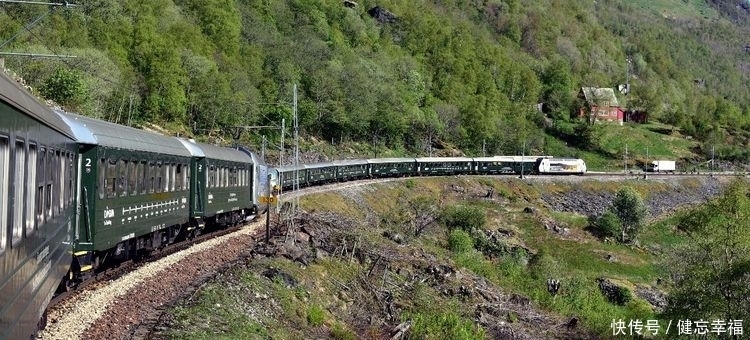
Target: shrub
(463, 217)
(410, 183)
(607, 225)
(315, 316)
(341, 332)
(460, 241)
(446, 325)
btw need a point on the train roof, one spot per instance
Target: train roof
(350, 162)
(443, 159)
(223, 153)
(287, 168)
(14, 95)
(565, 159)
(390, 160)
(81, 134)
(194, 150)
(124, 137)
(317, 165)
(253, 155)
(495, 159)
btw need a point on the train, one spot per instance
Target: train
(339, 171)
(78, 194)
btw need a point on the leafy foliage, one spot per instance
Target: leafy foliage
(711, 273)
(65, 87)
(460, 241)
(607, 225)
(466, 218)
(466, 73)
(631, 212)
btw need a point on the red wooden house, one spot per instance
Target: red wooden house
(600, 104)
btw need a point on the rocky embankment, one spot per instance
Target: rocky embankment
(666, 196)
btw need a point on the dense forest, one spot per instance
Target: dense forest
(466, 73)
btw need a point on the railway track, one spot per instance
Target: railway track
(116, 271)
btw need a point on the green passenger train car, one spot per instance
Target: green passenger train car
(135, 188)
(320, 173)
(37, 206)
(286, 175)
(347, 170)
(392, 167)
(444, 165)
(224, 184)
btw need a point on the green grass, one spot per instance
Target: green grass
(644, 142)
(577, 260)
(684, 9)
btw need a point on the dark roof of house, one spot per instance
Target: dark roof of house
(600, 96)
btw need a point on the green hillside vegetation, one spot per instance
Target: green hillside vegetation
(466, 74)
(511, 243)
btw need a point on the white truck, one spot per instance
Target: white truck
(662, 166)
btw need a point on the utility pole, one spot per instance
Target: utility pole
(296, 152)
(523, 156)
(625, 158)
(263, 149)
(712, 158)
(281, 149)
(268, 211)
(429, 144)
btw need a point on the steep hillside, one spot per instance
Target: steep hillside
(358, 266)
(392, 74)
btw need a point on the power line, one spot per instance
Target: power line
(37, 55)
(27, 27)
(64, 3)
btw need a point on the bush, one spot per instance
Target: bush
(446, 325)
(341, 332)
(460, 241)
(463, 217)
(315, 316)
(607, 225)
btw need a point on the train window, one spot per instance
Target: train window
(167, 176)
(4, 172)
(69, 177)
(122, 178)
(30, 188)
(41, 156)
(172, 176)
(159, 176)
(110, 178)
(50, 177)
(102, 177)
(217, 179)
(179, 177)
(211, 176)
(140, 177)
(19, 184)
(150, 177)
(61, 161)
(133, 178)
(187, 177)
